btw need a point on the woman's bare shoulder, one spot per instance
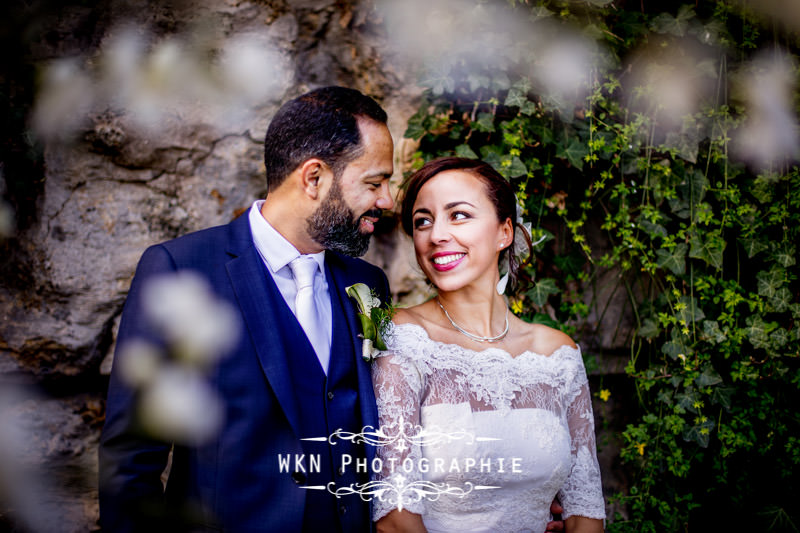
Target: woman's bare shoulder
(546, 340)
(411, 315)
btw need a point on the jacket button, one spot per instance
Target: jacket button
(330, 395)
(299, 478)
(342, 509)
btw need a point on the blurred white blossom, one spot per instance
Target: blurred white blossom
(6, 220)
(770, 132)
(198, 327)
(671, 79)
(449, 37)
(139, 362)
(21, 480)
(179, 405)
(564, 67)
(64, 100)
(6, 211)
(251, 68)
(149, 78)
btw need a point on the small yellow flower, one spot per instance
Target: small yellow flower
(516, 306)
(640, 448)
(605, 394)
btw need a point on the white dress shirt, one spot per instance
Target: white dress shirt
(277, 253)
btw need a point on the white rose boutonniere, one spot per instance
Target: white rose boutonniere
(374, 318)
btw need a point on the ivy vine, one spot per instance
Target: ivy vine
(703, 246)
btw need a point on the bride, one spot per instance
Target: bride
(492, 415)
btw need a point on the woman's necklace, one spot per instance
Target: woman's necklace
(472, 336)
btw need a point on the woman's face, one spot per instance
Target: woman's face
(457, 237)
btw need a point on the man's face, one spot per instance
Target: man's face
(346, 218)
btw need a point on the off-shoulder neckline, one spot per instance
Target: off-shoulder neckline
(564, 348)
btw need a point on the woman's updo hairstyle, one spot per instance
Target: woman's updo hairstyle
(498, 190)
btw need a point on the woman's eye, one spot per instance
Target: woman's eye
(460, 215)
(421, 222)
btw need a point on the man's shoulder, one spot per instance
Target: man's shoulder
(199, 237)
(203, 244)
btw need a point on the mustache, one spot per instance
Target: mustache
(374, 213)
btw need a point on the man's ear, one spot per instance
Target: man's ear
(312, 177)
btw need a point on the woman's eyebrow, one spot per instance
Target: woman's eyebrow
(451, 205)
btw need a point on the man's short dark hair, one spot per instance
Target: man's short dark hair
(321, 123)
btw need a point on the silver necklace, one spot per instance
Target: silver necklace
(472, 336)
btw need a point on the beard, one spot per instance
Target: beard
(335, 227)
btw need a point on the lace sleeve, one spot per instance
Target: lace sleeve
(582, 492)
(398, 391)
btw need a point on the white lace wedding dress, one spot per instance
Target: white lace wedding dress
(483, 441)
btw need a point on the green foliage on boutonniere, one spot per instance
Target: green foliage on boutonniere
(374, 317)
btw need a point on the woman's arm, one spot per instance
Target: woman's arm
(581, 524)
(398, 388)
(582, 493)
(401, 522)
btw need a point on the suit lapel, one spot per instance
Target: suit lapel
(341, 279)
(263, 309)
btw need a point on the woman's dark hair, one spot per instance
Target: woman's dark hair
(321, 123)
(498, 190)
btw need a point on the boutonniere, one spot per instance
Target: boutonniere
(374, 317)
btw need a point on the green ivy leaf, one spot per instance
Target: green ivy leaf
(722, 396)
(649, 329)
(439, 80)
(753, 246)
(463, 150)
(709, 249)
(574, 152)
(516, 98)
(687, 400)
(700, 433)
(485, 122)
(528, 108)
(690, 311)
(757, 331)
(542, 290)
(779, 338)
(708, 378)
(517, 168)
(677, 25)
(673, 349)
(782, 300)
(769, 282)
(665, 396)
(712, 332)
(786, 256)
(653, 230)
(674, 260)
(478, 81)
(542, 318)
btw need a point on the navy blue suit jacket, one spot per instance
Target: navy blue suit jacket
(234, 481)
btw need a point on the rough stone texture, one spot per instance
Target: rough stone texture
(117, 190)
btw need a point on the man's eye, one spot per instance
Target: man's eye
(375, 185)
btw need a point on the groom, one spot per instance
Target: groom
(296, 371)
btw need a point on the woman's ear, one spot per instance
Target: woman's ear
(506, 234)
